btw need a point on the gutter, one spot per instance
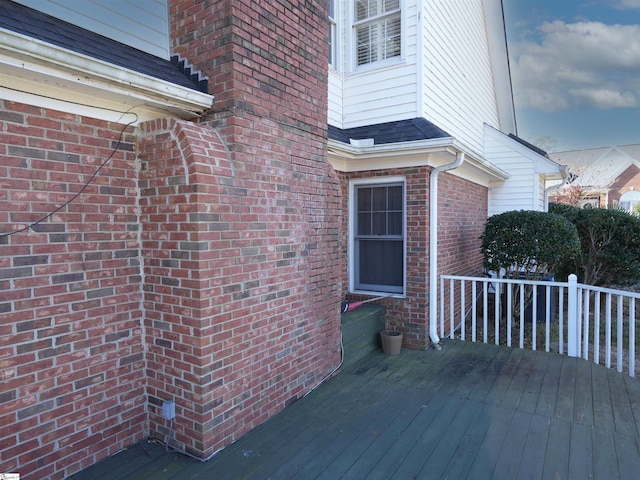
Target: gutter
(433, 246)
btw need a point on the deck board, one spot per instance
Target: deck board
(467, 411)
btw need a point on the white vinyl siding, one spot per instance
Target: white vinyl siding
(524, 189)
(388, 95)
(458, 92)
(142, 24)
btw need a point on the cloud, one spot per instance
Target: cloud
(582, 64)
(627, 4)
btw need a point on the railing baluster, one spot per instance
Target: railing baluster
(547, 319)
(632, 337)
(509, 311)
(473, 310)
(534, 318)
(496, 313)
(561, 319)
(580, 318)
(462, 308)
(596, 329)
(585, 337)
(522, 322)
(485, 311)
(442, 296)
(620, 339)
(452, 312)
(607, 333)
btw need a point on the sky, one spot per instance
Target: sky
(575, 67)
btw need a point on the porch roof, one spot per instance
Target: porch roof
(468, 411)
(390, 132)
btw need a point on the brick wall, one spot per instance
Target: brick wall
(462, 215)
(200, 265)
(71, 350)
(626, 181)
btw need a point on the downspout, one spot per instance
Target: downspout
(433, 247)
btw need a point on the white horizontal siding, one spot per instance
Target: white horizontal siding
(335, 112)
(458, 92)
(521, 190)
(142, 24)
(388, 95)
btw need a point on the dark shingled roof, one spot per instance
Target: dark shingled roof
(539, 151)
(390, 132)
(32, 23)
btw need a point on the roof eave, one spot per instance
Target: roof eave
(31, 67)
(432, 152)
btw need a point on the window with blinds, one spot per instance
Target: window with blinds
(378, 30)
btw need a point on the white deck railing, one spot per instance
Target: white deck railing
(594, 323)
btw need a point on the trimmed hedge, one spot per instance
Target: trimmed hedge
(529, 243)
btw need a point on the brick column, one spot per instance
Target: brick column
(241, 225)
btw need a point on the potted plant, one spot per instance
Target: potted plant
(391, 340)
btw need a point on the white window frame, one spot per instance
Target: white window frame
(333, 32)
(372, 20)
(378, 181)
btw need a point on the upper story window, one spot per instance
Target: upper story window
(377, 30)
(332, 33)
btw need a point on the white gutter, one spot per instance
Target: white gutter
(433, 246)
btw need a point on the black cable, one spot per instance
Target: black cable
(86, 184)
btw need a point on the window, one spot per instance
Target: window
(377, 30)
(332, 33)
(378, 237)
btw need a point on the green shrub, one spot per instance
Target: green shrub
(609, 245)
(529, 243)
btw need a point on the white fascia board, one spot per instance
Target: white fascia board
(499, 58)
(433, 153)
(30, 67)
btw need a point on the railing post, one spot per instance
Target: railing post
(572, 316)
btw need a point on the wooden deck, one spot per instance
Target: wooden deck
(469, 411)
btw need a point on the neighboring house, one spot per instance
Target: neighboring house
(177, 227)
(600, 177)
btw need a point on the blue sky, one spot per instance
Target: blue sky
(575, 68)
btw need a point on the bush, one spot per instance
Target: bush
(609, 245)
(529, 243)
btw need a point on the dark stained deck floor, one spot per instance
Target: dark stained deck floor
(469, 411)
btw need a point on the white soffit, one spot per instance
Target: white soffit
(40, 73)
